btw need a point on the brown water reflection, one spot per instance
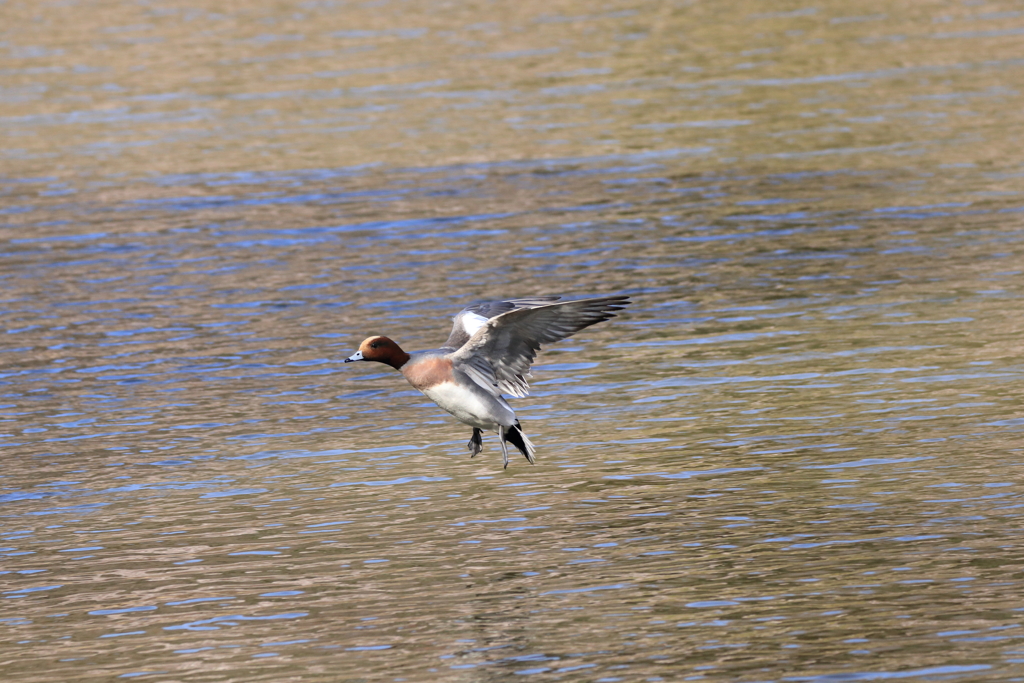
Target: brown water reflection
(172, 88)
(796, 457)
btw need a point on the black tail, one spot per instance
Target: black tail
(514, 435)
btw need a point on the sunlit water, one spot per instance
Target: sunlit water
(796, 457)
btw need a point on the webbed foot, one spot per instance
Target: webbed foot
(476, 443)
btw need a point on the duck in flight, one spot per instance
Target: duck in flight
(489, 353)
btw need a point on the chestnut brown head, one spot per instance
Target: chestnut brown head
(382, 350)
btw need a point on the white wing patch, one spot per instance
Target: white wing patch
(471, 322)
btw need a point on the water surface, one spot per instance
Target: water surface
(796, 457)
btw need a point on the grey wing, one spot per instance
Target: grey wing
(498, 356)
(472, 318)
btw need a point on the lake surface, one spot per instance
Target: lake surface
(796, 457)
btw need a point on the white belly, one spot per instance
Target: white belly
(475, 408)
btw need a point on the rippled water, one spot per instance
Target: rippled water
(795, 457)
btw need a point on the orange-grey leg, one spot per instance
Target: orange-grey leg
(504, 445)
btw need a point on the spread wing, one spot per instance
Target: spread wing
(472, 318)
(499, 354)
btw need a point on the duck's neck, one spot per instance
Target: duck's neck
(397, 359)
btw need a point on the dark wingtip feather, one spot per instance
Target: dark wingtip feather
(605, 307)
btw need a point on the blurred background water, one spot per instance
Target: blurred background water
(796, 457)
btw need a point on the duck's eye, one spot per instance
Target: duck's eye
(374, 345)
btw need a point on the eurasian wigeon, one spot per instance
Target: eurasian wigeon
(489, 353)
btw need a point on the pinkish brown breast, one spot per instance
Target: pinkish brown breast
(428, 372)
